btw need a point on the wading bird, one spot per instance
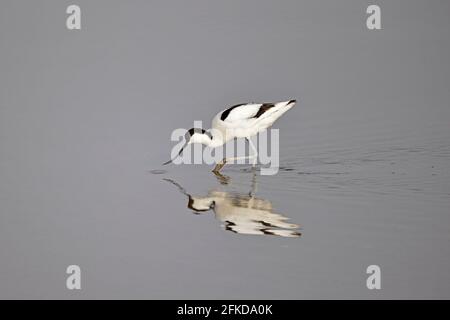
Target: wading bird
(240, 121)
(242, 213)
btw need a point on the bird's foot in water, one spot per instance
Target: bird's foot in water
(219, 166)
(223, 179)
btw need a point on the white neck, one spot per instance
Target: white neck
(217, 139)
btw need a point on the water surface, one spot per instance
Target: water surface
(85, 123)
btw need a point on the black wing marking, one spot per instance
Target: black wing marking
(225, 114)
(263, 109)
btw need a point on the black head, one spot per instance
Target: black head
(187, 138)
(199, 207)
(192, 131)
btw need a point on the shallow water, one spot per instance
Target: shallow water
(85, 123)
(379, 203)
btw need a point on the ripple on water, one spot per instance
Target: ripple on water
(158, 171)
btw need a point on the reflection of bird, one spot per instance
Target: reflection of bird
(239, 121)
(242, 213)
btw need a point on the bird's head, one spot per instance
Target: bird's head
(194, 135)
(200, 205)
(197, 135)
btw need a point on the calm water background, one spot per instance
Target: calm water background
(365, 155)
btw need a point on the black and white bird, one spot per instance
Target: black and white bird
(239, 121)
(241, 212)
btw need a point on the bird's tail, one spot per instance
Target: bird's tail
(287, 104)
(279, 109)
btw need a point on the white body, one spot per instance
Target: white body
(239, 121)
(242, 213)
(245, 215)
(242, 123)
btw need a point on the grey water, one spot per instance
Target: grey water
(85, 124)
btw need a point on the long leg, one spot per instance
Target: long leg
(224, 161)
(254, 186)
(254, 156)
(222, 178)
